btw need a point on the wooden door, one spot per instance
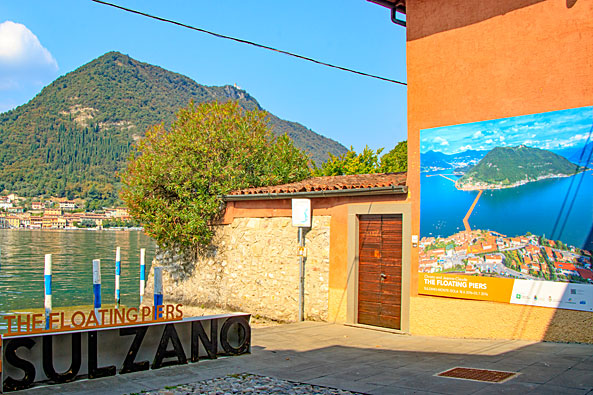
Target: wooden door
(380, 270)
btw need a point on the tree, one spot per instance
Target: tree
(175, 178)
(367, 162)
(396, 160)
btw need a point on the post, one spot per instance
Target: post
(301, 217)
(142, 273)
(302, 277)
(97, 287)
(117, 274)
(47, 281)
(158, 291)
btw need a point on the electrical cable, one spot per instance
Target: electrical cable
(239, 40)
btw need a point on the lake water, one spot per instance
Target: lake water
(538, 207)
(22, 258)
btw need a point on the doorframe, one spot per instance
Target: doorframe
(354, 211)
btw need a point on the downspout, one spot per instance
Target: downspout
(395, 7)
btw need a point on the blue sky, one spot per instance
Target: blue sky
(551, 131)
(41, 40)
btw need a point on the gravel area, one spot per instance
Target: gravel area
(247, 384)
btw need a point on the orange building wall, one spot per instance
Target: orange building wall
(471, 61)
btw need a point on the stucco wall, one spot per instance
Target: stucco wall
(471, 61)
(254, 268)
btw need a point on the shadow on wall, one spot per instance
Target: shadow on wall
(570, 3)
(589, 240)
(456, 14)
(563, 319)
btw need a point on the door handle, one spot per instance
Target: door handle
(383, 276)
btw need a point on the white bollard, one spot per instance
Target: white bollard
(158, 291)
(142, 273)
(97, 287)
(117, 274)
(47, 281)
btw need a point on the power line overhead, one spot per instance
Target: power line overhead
(239, 40)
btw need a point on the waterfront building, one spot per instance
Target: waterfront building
(37, 205)
(67, 205)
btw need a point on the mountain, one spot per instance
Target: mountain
(578, 155)
(505, 167)
(433, 160)
(74, 136)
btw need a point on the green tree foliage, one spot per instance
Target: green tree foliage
(368, 161)
(396, 160)
(176, 178)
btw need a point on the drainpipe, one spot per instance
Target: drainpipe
(395, 7)
(302, 277)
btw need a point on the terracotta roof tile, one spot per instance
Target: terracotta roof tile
(328, 183)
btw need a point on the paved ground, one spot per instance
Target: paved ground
(372, 362)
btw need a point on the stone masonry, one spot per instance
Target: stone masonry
(253, 267)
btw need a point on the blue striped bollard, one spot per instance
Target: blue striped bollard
(158, 291)
(97, 287)
(142, 273)
(47, 281)
(117, 274)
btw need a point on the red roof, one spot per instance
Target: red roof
(565, 266)
(330, 183)
(586, 274)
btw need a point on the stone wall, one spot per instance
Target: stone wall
(252, 267)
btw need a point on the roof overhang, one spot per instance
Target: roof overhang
(389, 190)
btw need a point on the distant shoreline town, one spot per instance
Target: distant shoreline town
(490, 186)
(60, 213)
(488, 253)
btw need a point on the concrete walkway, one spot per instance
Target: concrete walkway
(373, 362)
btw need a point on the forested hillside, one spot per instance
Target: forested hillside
(72, 138)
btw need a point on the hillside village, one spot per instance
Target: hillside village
(488, 253)
(58, 213)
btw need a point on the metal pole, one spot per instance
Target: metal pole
(97, 287)
(158, 291)
(47, 281)
(117, 274)
(302, 276)
(142, 273)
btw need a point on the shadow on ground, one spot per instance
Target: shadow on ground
(372, 362)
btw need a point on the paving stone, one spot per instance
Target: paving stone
(508, 388)
(574, 378)
(441, 384)
(362, 360)
(547, 389)
(538, 374)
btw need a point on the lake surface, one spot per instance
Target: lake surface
(559, 208)
(22, 258)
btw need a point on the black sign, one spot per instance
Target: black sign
(52, 358)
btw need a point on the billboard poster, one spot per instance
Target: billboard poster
(507, 210)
